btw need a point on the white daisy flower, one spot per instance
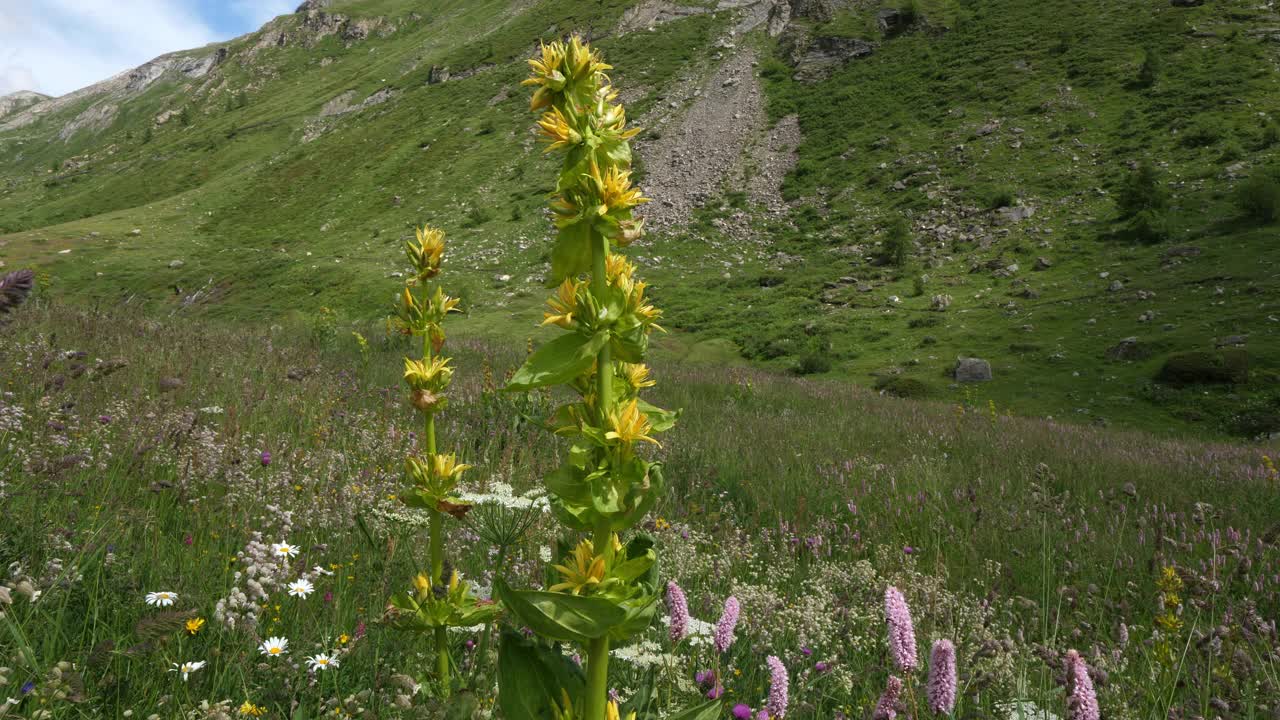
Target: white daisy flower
(162, 598)
(284, 549)
(273, 646)
(322, 661)
(187, 668)
(301, 588)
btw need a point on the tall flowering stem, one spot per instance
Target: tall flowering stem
(605, 486)
(439, 599)
(902, 633)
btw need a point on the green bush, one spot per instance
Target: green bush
(903, 387)
(813, 363)
(1199, 133)
(1001, 197)
(1259, 196)
(1143, 205)
(1271, 134)
(897, 243)
(1201, 367)
(1149, 72)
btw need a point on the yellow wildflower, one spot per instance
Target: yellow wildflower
(563, 305)
(636, 375)
(251, 710)
(628, 424)
(425, 255)
(557, 130)
(193, 625)
(585, 572)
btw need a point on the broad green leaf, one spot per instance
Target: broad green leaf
(638, 618)
(574, 516)
(560, 616)
(531, 677)
(661, 420)
(571, 255)
(706, 711)
(568, 483)
(642, 546)
(558, 361)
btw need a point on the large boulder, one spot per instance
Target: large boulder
(1205, 367)
(970, 370)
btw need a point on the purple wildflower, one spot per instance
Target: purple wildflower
(715, 692)
(777, 704)
(266, 458)
(678, 606)
(902, 634)
(942, 678)
(728, 621)
(704, 677)
(887, 706)
(1082, 702)
(762, 715)
(821, 666)
(741, 712)
(806, 651)
(27, 687)
(104, 419)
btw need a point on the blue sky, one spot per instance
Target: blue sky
(56, 46)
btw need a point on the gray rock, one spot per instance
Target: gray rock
(1232, 341)
(1017, 213)
(169, 384)
(968, 370)
(437, 75)
(175, 264)
(1043, 263)
(940, 303)
(135, 232)
(1182, 251)
(1115, 286)
(1128, 349)
(1186, 3)
(892, 21)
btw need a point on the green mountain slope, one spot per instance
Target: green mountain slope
(278, 171)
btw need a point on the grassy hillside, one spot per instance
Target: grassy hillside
(972, 117)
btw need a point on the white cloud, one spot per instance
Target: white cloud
(56, 46)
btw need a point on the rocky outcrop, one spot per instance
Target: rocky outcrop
(95, 118)
(116, 89)
(814, 58)
(20, 100)
(650, 13)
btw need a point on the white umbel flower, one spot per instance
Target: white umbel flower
(162, 598)
(322, 661)
(301, 588)
(273, 646)
(187, 668)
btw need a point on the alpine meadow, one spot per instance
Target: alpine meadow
(645, 360)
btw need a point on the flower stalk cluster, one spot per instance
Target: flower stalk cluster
(605, 486)
(440, 598)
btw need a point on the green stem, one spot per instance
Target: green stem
(604, 361)
(597, 679)
(437, 545)
(598, 650)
